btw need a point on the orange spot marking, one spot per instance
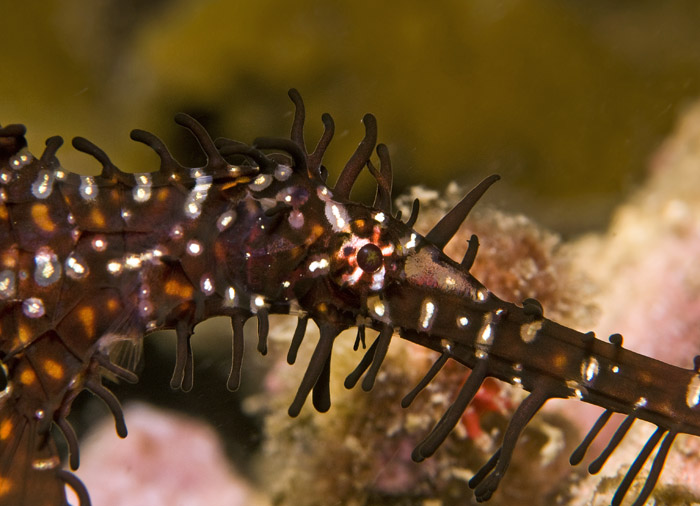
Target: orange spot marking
(560, 361)
(9, 258)
(5, 486)
(114, 196)
(240, 180)
(219, 251)
(97, 218)
(175, 288)
(6, 429)
(316, 232)
(86, 315)
(3, 212)
(24, 334)
(27, 377)
(163, 195)
(40, 215)
(322, 307)
(53, 369)
(112, 305)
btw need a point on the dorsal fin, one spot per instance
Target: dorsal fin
(358, 160)
(447, 227)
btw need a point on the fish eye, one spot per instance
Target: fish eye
(370, 258)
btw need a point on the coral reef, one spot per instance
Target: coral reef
(168, 458)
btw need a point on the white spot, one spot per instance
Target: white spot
(48, 268)
(337, 216)
(379, 308)
(194, 248)
(229, 296)
(75, 234)
(5, 176)
(641, 402)
(3, 195)
(236, 169)
(259, 301)
(412, 241)
(378, 279)
(528, 331)
(76, 268)
(517, 380)
(192, 209)
(177, 232)
(125, 214)
(60, 175)
(88, 188)
(296, 219)
(132, 262)
(380, 217)
(114, 267)
(450, 281)
(427, 313)
(207, 285)
(481, 295)
(615, 369)
(99, 243)
(589, 369)
(324, 193)
(225, 220)
(141, 194)
(486, 335)
(71, 219)
(151, 325)
(33, 307)
(692, 394)
(8, 284)
(286, 284)
(484, 338)
(260, 183)
(462, 321)
(45, 464)
(43, 186)
(283, 172)
(21, 159)
(194, 200)
(142, 191)
(321, 264)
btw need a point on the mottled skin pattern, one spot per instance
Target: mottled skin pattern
(86, 262)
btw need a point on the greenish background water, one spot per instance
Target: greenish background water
(565, 99)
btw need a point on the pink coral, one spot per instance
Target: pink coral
(649, 278)
(167, 459)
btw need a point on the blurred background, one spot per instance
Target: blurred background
(567, 100)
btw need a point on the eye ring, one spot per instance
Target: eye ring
(370, 258)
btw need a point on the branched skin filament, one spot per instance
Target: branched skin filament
(256, 231)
